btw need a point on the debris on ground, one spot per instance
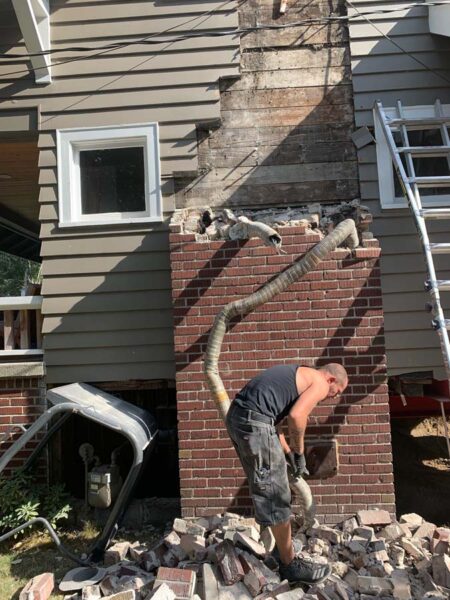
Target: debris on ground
(228, 557)
(38, 588)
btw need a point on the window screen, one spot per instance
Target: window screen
(112, 180)
(428, 166)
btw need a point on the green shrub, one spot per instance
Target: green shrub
(22, 499)
(15, 272)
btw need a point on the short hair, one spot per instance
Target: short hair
(338, 372)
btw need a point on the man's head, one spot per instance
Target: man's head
(336, 377)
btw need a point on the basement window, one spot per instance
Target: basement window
(391, 194)
(109, 175)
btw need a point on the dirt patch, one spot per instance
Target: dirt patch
(430, 426)
(421, 468)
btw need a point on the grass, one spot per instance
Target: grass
(24, 558)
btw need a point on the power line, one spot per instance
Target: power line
(145, 39)
(417, 60)
(223, 32)
(156, 39)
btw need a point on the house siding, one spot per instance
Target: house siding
(381, 71)
(107, 299)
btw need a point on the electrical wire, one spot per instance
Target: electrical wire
(223, 32)
(155, 39)
(203, 16)
(417, 60)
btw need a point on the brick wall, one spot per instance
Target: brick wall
(333, 314)
(22, 401)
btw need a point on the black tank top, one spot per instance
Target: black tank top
(273, 392)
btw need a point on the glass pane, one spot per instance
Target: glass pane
(424, 166)
(112, 180)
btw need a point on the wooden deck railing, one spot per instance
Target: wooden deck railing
(20, 326)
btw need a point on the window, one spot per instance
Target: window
(391, 194)
(109, 175)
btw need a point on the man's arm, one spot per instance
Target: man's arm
(283, 440)
(298, 416)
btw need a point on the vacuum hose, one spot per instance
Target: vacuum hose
(345, 231)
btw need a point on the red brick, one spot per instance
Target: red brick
(313, 319)
(38, 588)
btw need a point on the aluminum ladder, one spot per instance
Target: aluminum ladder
(412, 185)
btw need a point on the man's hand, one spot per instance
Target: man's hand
(297, 464)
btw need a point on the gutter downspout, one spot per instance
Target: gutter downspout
(345, 231)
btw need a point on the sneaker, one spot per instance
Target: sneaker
(297, 545)
(304, 570)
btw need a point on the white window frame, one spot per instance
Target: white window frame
(385, 165)
(70, 142)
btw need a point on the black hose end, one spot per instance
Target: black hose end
(275, 239)
(435, 324)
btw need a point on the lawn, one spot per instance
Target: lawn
(24, 558)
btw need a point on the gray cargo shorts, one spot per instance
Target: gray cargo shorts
(259, 449)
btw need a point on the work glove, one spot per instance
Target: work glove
(296, 464)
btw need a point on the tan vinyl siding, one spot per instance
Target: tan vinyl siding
(382, 71)
(107, 300)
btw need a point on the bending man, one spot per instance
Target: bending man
(279, 392)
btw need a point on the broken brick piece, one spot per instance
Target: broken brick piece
(137, 550)
(109, 585)
(296, 594)
(392, 532)
(373, 585)
(402, 587)
(116, 553)
(374, 518)
(229, 563)
(275, 590)
(180, 581)
(127, 595)
(210, 586)
(38, 588)
(426, 530)
(440, 543)
(441, 570)
(412, 549)
(150, 561)
(246, 542)
(91, 592)
(412, 520)
(254, 582)
(162, 592)
(329, 534)
(193, 545)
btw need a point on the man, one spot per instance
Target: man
(279, 392)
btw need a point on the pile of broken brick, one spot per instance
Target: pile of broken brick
(228, 557)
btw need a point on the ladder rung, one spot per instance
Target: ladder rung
(425, 150)
(443, 285)
(440, 248)
(435, 213)
(418, 122)
(442, 181)
(435, 324)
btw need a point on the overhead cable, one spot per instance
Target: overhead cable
(392, 41)
(153, 39)
(156, 39)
